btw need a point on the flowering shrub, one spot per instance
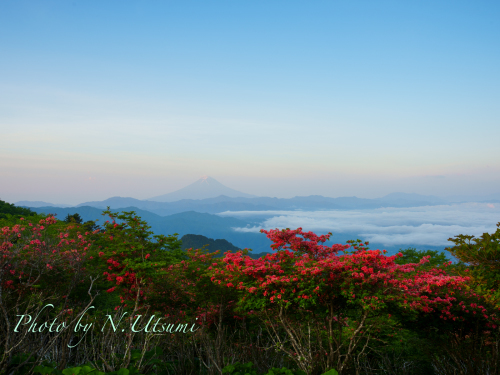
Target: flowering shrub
(187, 291)
(343, 290)
(130, 259)
(323, 306)
(32, 259)
(40, 262)
(483, 257)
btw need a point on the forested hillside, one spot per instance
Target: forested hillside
(196, 241)
(10, 209)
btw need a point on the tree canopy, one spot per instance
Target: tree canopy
(482, 255)
(11, 209)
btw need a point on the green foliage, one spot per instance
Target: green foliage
(89, 226)
(240, 369)
(482, 255)
(75, 218)
(400, 345)
(331, 372)
(151, 358)
(10, 209)
(83, 370)
(128, 248)
(285, 371)
(137, 229)
(17, 360)
(248, 369)
(412, 255)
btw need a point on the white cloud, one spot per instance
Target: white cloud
(429, 225)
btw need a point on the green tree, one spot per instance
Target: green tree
(482, 256)
(131, 257)
(91, 226)
(75, 218)
(11, 209)
(412, 255)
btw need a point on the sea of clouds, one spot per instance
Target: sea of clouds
(427, 225)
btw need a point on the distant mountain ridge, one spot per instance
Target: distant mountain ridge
(224, 203)
(207, 195)
(39, 204)
(205, 187)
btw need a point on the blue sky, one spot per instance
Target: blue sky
(280, 98)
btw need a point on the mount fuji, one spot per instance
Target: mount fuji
(205, 187)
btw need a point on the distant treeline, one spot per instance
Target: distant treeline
(10, 209)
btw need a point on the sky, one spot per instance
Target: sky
(281, 98)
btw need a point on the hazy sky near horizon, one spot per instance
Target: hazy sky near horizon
(281, 98)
